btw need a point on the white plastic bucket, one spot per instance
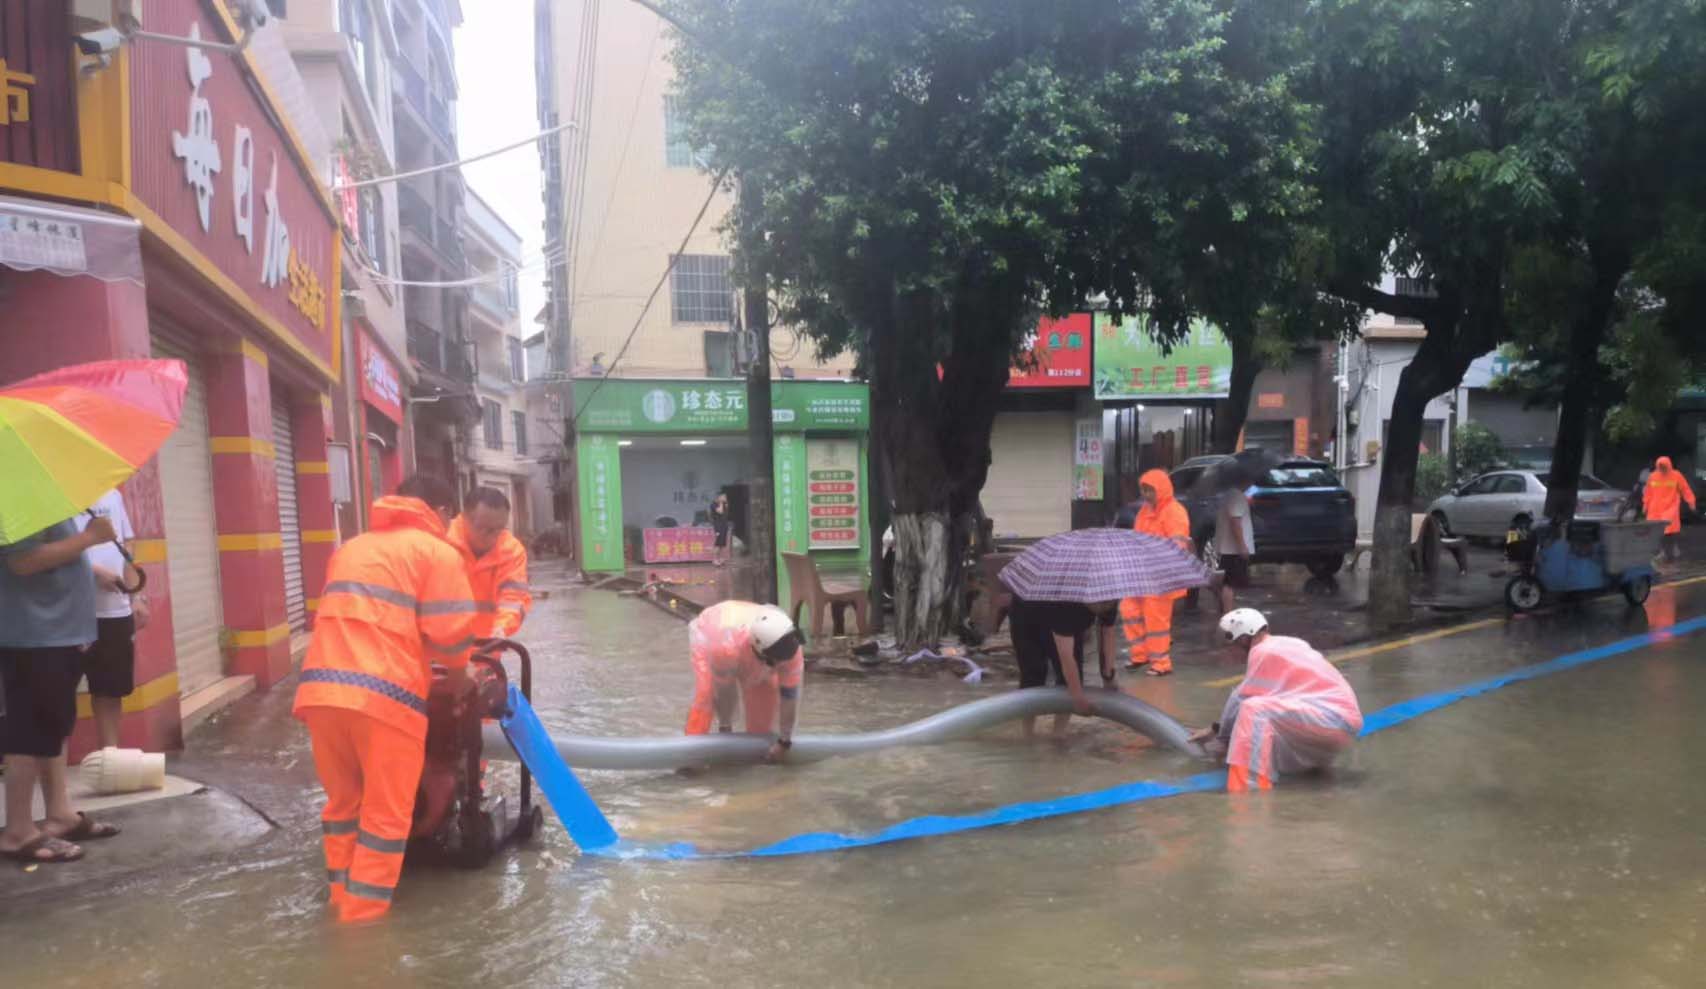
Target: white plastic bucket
(114, 770)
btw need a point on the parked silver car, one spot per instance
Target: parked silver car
(1490, 505)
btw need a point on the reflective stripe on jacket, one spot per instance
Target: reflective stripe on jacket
(396, 601)
(499, 580)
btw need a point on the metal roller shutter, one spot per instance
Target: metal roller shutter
(289, 527)
(192, 544)
(1029, 491)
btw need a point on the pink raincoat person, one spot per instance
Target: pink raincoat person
(1293, 712)
(751, 654)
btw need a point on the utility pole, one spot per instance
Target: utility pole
(761, 500)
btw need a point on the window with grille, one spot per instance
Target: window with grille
(517, 364)
(519, 421)
(700, 289)
(679, 152)
(494, 424)
(372, 209)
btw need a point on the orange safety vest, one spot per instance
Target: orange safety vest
(396, 601)
(1166, 518)
(499, 579)
(1666, 490)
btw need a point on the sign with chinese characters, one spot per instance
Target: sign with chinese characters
(600, 474)
(29, 242)
(1130, 364)
(615, 405)
(832, 494)
(790, 455)
(684, 544)
(1059, 355)
(211, 160)
(1087, 461)
(38, 108)
(381, 386)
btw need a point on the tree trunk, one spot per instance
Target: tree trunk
(1581, 387)
(1246, 365)
(1389, 576)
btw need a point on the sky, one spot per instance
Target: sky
(495, 106)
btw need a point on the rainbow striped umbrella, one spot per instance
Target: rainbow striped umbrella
(69, 436)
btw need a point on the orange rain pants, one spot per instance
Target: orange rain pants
(1149, 631)
(370, 771)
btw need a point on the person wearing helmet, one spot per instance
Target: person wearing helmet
(751, 653)
(1292, 713)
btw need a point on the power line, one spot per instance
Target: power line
(621, 161)
(430, 169)
(716, 186)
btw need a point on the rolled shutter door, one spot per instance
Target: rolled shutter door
(192, 543)
(1029, 491)
(289, 527)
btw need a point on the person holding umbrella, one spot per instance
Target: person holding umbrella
(1072, 582)
(79, 432)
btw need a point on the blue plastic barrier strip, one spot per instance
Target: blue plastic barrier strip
(586, 824)
(1125, 793)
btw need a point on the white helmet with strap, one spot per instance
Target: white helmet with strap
(774, 634)
(1242, 623)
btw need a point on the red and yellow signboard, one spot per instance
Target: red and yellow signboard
(38, 115)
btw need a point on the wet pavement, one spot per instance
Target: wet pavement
(1542, 835)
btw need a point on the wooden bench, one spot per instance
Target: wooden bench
(806, 587)
(1426, 540)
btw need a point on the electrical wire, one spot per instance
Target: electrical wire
(543, 263)
(621, 163)
(705, 207)
(430, 169)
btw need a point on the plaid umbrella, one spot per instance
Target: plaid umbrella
(1094, 565)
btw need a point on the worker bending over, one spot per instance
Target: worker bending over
(396, 601)
(496, 561)
(753, 653)
(1292, 713)
(1149, 620)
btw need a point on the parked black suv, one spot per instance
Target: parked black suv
(1301, 513)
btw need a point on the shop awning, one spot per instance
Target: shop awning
(69, 240)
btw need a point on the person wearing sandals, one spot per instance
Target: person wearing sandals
(47, 621)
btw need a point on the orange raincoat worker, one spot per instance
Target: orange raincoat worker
(1292, 713)
(496, 561)
(1667, 489)
(1149, 621)
(396, 601)
(754, 653)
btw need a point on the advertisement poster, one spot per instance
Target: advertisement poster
(1087, 461)
(1059, 355)
(1130, 364)
(682, 544)
(832, 489)
(601, 502)
(790, 493)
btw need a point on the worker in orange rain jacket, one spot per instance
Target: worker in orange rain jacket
(1149, 621)
(1667, 489)
(396, 601)
(497, 564)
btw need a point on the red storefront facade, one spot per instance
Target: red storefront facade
(239, 259)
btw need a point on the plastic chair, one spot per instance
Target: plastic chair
(994, 600)
(806, 587)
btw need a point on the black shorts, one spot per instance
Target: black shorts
(1033, 646)
(1237, 569)
(40, 704)
(110, 664)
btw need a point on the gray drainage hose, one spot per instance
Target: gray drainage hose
(672, 751)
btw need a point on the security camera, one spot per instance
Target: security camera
(104, 42)
(251, 14)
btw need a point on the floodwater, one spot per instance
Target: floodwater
(1547, 834)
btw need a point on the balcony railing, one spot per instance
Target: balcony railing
(449, 357)
(494, 300)
(432, 107)
(417, 214)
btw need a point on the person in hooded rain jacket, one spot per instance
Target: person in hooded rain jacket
(396, 601)
(1667, 489)
(496, 561)
(1292, 713)
(1149, 620)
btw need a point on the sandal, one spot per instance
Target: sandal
(1136, 664)
(59, 851)
(89, 829)
(1152, 671)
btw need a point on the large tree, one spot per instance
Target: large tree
(932, 175)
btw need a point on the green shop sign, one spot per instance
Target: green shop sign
(1130, 364)
(600, 465)
(616, 405)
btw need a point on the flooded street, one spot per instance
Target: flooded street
(1545, 834)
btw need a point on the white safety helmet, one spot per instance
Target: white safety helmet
(1242, 622)
(774, 634)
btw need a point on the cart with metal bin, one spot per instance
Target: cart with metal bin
(1582, 557)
